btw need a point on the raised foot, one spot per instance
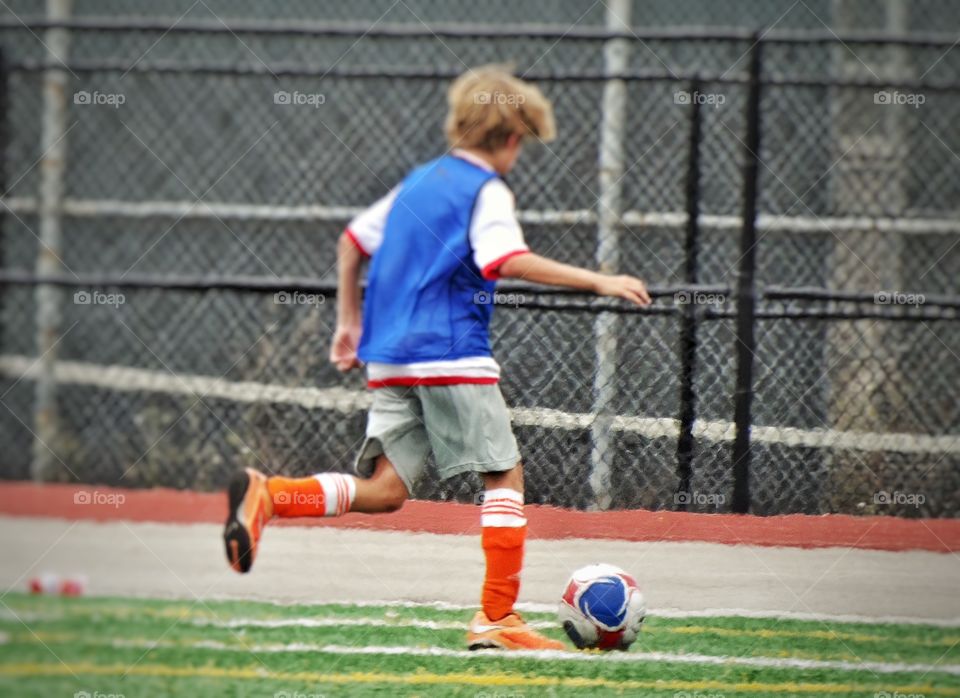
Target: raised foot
(249, 507)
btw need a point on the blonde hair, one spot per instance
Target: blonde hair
(488, 104)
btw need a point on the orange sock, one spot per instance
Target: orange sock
(326, 494)
(503, 536)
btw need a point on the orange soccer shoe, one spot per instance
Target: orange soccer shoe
(248, 510)
(508, 633)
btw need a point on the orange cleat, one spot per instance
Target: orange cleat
(248, 510)
(508, 633)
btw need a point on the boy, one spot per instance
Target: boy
(437, 242)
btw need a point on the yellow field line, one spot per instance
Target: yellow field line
(37, 669)
(767, 633)
(186, 613)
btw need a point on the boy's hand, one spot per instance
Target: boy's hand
(533, 267)
(623, 286)
(343, 349)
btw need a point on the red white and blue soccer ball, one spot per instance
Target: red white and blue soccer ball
(602, 608)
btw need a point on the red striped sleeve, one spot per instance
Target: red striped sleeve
(356, 243)
(492, 270)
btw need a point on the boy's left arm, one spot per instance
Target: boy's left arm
(541, 270)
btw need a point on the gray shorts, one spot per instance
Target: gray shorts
(466, 426)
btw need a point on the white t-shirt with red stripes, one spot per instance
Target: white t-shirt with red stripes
(495, 237)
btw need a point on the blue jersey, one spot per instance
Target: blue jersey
(426, 300)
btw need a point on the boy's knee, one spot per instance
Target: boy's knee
(391, 492)
(394, 496)
(511, 479)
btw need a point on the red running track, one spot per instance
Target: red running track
(88, 502)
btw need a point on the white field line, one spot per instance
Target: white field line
(552, 656)
(803, 616)
(272, 623)
(532, 607)
(98, 208)
(126, 379)
(525, 607)
(8, 614)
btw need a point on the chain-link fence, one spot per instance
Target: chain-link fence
(894, 15)
(207, 169)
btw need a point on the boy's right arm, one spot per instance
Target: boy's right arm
(346, 337)
(359, 241)
(541, 270)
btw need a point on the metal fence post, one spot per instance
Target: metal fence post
(746, 288)
(611, 168)
(4, 135)
(48, 298)
(688, 318)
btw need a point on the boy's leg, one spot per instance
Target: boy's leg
(394, 426)
(469, 430)
(334, 494)
(503, 533)
(254, 499)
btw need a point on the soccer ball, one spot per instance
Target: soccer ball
(602, 607)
